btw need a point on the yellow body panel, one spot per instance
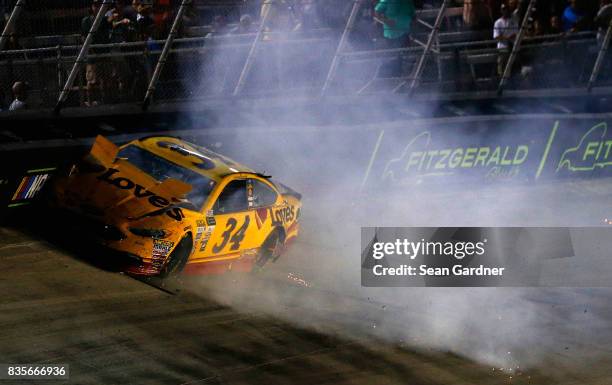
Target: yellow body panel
(144, 218)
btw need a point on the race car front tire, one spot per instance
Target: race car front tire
(269, 250)
(178, 258)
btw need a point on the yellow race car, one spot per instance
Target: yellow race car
(165, 205)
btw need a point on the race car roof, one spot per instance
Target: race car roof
(191, 156)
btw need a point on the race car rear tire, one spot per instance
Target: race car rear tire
(269, 250)
(178, 258)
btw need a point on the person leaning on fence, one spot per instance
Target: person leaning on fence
(573, 17)
(119, 23)
(20, 95)
(504, 31)
(396, 17)
(245, 25)
(94, 85)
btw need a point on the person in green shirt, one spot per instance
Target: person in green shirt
(396, 16)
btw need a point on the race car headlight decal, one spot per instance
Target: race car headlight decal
(149, 233)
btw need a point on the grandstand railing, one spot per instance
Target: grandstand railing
(319, 62)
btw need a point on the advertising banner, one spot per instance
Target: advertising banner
(491, 150)
(460, 152)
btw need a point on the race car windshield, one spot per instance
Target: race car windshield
(162, 169)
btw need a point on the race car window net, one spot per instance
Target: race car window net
(263, 195)
(233, 198)
(161, 169)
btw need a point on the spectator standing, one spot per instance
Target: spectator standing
(504, 31)
(119, 23)
(191, 18)
(94, 85)
(572, 16)
(396, 17)
(102, 34)
(476, 14)
(20, 96)
(219, 27)
(308, 16)
(162, 17)
(555, 25)
(494, 7)
(245, 26)
(280, 15)
(366, 32)
(12, 43)
(144, 23)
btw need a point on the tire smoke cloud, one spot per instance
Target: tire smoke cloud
(317, 284)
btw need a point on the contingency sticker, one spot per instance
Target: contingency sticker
(200, 229)
(161, 249)
(250, 195)
(206, 237)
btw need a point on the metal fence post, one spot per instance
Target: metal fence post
(423, 59)
(11, 22)
(341, 45)
(600, 57)
(251, 57)
(516, 48)
(164, 55)
(82, 54)
(59, 67)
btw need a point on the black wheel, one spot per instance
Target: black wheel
(270, 250)
(178, 259)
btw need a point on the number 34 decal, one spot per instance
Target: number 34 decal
(235, 239)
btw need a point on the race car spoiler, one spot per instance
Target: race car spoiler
(105, 152)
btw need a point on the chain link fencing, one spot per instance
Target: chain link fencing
(291, 58)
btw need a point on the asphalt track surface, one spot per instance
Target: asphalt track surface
(113, 329)
(58, 306)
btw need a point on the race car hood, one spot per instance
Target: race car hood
(114, 188)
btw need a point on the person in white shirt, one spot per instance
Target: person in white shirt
(504, 31)
(19, 92)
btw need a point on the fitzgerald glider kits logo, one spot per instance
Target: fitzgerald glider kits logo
(419, 159)
(515, 153)
(592, 152)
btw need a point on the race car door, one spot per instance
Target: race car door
(234, 223)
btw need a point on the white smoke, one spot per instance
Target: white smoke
(317, 284)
